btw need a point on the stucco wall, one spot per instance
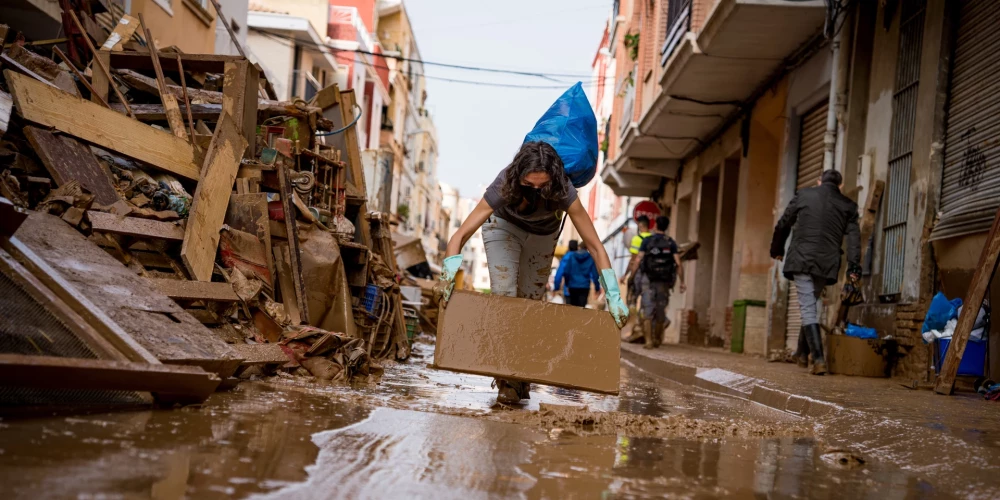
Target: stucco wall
(275, 55)
(183, 28)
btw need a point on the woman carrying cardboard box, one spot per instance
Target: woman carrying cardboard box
(521, 215)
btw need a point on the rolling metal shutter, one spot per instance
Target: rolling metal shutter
(970, 185)
(809, 169)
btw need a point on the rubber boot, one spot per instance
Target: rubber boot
(815, 340)
(802, 353)
(506, 392)
(647, 332)
(657, 334)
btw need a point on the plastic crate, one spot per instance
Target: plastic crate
(973, 360)
(370, 300)
(412, 323)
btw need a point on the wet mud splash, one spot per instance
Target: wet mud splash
(405, 454)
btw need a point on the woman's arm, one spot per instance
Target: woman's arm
(584, 226)
(472, 223)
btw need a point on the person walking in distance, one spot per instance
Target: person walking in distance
(578, 271)
(818, 218)
(632, 281)
(660, 263)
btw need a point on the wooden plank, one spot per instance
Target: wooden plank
(239, 99)
(211, 198)
(103, 222)
(6, 106)
(24, 71)
(173, 111)
(294, 249)
(122, 33)
(196, 290)
(195, 63)
(101, 83)
(78, 302)
(529, 340)
(108, 289)
(289, 294)
(79, 76)
(156, 113)
(265, 107)
(355, 168)
(59, 309)
(49, 372)
(261, 354)
(248, 213)
(68, 159)
(973, 300)
(98, 61)
(93, 123)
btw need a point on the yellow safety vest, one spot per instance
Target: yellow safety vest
(637, 242)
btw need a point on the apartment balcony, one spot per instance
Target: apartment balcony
(707, 76)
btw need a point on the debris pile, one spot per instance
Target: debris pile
(142, 173)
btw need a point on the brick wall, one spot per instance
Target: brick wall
(699, 11)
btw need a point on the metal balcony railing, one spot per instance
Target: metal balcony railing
(678, 24)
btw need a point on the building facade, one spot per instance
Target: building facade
(724, 108)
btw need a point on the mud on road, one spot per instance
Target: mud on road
(419, 432)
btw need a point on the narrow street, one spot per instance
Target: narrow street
(423, 432)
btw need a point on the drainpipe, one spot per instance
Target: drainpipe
(840, 62)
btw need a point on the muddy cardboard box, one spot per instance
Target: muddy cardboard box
(551, 344)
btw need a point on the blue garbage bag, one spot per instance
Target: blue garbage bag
(940, 312)
(570, 127)
(860, 332)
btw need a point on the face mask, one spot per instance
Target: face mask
(531, 194)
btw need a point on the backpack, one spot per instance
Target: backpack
(658, 263)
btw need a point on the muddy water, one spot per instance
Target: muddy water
(422, 433)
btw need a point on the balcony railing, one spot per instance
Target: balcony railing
(628, 107)
(678, 23)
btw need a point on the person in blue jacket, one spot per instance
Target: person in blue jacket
(578, 270)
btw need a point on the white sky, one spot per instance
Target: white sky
(480, 128)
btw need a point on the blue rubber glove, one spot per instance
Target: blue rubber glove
(449, 269)
(616, 306)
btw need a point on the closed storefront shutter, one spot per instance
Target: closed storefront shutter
(809, 169)
(970, 185)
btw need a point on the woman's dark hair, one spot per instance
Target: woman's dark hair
(535, 157)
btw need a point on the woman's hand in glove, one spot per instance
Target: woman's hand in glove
(616, 306)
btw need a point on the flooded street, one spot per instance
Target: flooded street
(422, 432)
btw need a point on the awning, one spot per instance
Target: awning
(624, 184)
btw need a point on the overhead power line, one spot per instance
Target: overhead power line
(536, 74)
(562, 85)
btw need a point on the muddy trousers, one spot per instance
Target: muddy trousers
(655, 298)
(519, 262)
(578, 296)
(809, 289)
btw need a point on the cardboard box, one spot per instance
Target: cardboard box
(551, 344)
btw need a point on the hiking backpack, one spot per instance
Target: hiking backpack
(658, 263)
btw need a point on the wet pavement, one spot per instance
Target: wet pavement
(422, 432)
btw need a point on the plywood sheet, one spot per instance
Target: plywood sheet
(68, 159)
(94, 123)
(211, 198)
(523, 339)
(151, 318)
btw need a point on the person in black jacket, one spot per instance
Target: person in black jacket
(818, 218)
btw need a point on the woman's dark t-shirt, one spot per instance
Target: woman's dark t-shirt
(544, 218)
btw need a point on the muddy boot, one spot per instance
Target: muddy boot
(657, 334)
(637, 336)
(647, 332)
(815, 340)
(506, 393)
(802, 353)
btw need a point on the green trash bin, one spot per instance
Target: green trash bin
(740, 321)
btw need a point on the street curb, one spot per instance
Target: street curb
(731, 384)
